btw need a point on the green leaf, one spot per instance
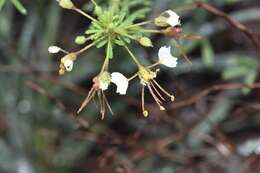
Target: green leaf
(234, 72)
(207, 53)
(249, 80)
(2, 3)
(19, 6)
(101, 43)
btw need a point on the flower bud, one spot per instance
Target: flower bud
(146, 42)
(67, 4)
(54, 49)
(80, 40)
(168, 18)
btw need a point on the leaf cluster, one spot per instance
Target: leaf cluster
(114, 25)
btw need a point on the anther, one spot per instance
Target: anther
(162, 108)
(145, 113)
(172, 98)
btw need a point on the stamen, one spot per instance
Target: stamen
(158, 102)
(134, 76)
(145, 112)
(153, 65)
(90, 95)
(164, 91)
(107, 103)
(172, 98)
(162, 108)
(157, 92)
(102, 105)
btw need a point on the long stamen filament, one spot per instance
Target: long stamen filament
(145, 112)
(107, 103)
(157, 92)
(131, 78)
(158, 101)
(90, 95)
(102, 105)
(164, 91)
(153, 65)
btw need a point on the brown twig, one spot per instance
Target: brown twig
(81, 122)
(207, 91)
(236, 24)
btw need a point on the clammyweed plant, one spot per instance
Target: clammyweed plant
(114, 26)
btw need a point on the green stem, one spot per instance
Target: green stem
(150, 30)
(85, 14)
(134, 76)
(141, 23)
(105, 64)
(94, 2)
(153, 65)
(85, 48)
(134, 58)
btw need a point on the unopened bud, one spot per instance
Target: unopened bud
(80, 40)
(54, 49)
(67, 4)
(146, 42)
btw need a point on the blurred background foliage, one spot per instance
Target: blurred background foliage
(218, 132)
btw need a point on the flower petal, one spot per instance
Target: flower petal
(68, 64)
(120, 81)
(173, 19)
(166, 58)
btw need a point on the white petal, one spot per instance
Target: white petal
(174, 18)
(68, 64)
(120, 81)
(53, 49)
(166, 58)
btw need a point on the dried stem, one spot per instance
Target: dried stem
(236, 24)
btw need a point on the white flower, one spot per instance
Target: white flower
(68, 64)
(53, 49)
(173, 19)
(120, 81)
(166, 58)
